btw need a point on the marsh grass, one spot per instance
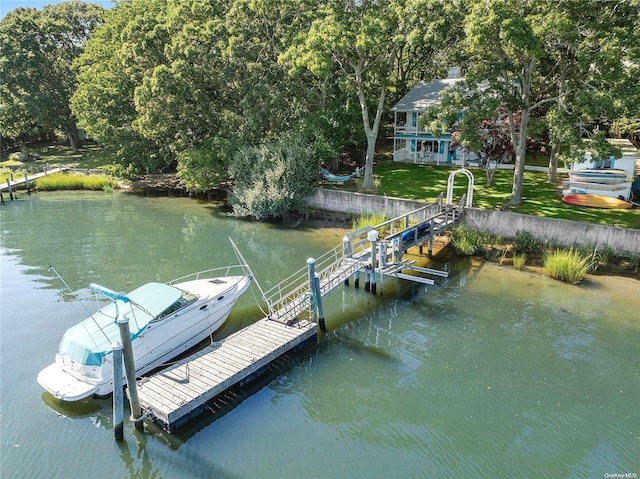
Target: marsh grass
(519, 260)
(569, 265)
(70, 181)
(468, 242)
(368, 219)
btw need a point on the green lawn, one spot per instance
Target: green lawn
(89, 156)
(426, 182)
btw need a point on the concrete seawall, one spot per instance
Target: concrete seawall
(553, 231)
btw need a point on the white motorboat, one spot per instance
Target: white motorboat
(164, 320)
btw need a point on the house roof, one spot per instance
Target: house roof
(424, 95)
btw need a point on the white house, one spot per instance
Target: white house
(412, 143)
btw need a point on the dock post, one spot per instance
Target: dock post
(372, 236)
(10, 190)
(430, 247)
(130, 372)
(347, 247)
(311, 264)
(373, 281)
(321, 323)
(382, 253)
(347, 252)
(118, 399)
(367, 279)
(26, 180)
(356, 279)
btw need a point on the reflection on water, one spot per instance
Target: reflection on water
(492, 372)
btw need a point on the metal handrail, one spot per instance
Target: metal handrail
(196, 276)
(289, 297)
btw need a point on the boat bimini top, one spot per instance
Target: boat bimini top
(89, 341)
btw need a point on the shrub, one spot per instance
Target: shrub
(467, 241)
(566, 265)
(271, 179)
(120, 171)
(526, 243)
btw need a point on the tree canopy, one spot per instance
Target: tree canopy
(185, 84)
(38, 50)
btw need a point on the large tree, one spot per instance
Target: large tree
(38, 50)
(357, 42)
(117, 58)
(534, 54)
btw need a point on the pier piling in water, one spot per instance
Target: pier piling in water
(118, 396)
(318, 293)
(130, 372)
(9, 189)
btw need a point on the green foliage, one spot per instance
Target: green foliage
(569, 265)
(38, 49)
(128, 46)
(526, 243)
(468, 242)
(200, 169)
(72, 181)
(519, 260)
(120, 171)
(271, 179)
(368, 219)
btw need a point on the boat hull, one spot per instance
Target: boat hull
(596, 201)
(595, 186)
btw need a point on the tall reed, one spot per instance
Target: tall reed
(566, 265)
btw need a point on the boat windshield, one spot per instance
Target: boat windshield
(89, 341)
(184, 300)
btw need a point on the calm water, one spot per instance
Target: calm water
(493, 373)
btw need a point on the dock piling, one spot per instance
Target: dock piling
(311, 265)
(318, 294)
(372, 236)
(26, 180)
(118, 397)
(10, 190)
(430, 244)
(130, 372)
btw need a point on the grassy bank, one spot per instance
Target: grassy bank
(524, 250)
(72, 181)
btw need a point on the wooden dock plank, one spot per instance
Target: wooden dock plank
(187, 385)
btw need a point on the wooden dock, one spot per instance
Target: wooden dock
(183, 390)
(10, 184)
(186, 389)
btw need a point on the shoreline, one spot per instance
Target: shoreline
(169, 183)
